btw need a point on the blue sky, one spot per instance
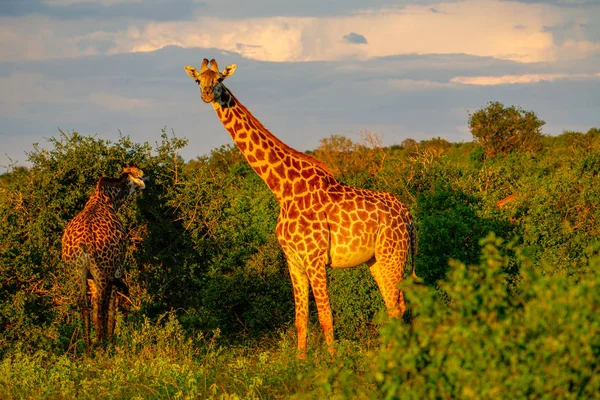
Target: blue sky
(307, 69)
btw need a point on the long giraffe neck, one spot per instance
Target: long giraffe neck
(111, 191)
(279, 166)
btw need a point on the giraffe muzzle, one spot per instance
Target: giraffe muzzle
(207, 96)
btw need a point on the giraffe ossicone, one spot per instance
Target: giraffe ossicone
(94, 245)
(321, 221)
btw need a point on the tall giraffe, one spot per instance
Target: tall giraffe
(94, 244)
(321, 221)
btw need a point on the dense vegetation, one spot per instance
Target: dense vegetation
(508, 253)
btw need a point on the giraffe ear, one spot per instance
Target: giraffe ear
(228, 71)
(192, 72)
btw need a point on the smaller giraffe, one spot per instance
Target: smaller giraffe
(94, 244)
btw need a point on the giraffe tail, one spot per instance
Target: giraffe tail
(85, 258)
(413, 242)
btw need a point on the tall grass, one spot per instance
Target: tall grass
(158, 360)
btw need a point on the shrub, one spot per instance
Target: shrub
(450, 224)
(501, 130)
(489, 341)
(355, 302)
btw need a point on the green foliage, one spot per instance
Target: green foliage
(436, 146)
(212, 313)
(230, 216)
(489, 341)
(485, 339)
(355, 302)
(501, 130)
(354, 163)
(450, 226)
(201, 241)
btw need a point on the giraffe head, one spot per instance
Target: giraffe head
(209, 79)
(134, 178)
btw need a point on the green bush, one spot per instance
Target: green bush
(355, 302)
(450, 224)
(230, 216)
(502, 130)
(490, 341)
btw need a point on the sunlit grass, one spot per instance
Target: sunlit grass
(161, 361)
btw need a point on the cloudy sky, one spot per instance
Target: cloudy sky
(307, 69)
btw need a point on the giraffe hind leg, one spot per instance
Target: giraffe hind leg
(101, 311)
(112, 313)
(84, 303)
(93, 297)
(387, 280)
(84, 309)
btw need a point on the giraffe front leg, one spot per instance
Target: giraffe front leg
(84, 308)
(318, 282)
(300, 286)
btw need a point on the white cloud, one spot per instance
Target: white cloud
(526, 78)
(578, 48)
(512, 31)
(273, 39)
(486, 28)
(505, 30)
(491, 28)
(482, 28)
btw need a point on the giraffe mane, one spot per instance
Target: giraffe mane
(104, 181)
(317, 163)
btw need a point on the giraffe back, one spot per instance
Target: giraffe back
(98, 232)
